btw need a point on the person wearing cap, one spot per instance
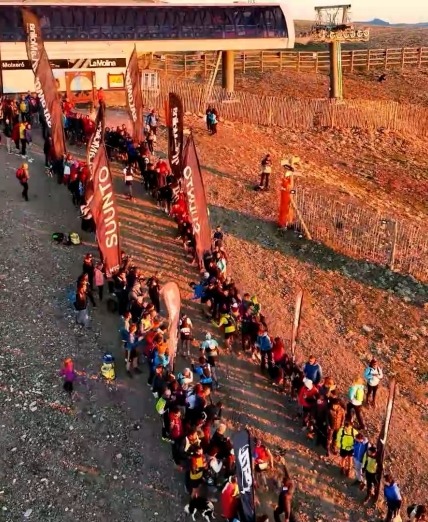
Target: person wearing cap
(209, 348)
(23, 176)
(373, 374)
(306, 399)
(356, 400)
(266, 170)
(370, 465)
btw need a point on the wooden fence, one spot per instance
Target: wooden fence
(296, 113)
(201, 64)
(365, 234)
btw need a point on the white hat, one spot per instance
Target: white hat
(206, 275)
(207, 336)
(308, 383)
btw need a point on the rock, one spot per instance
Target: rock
(366, 328)
(27, 514)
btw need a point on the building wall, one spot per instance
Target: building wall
(22, 79)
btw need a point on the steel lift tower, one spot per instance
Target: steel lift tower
(333, 26)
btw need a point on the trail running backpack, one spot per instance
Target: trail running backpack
(58, 237)
(74, 238)
(108, 370)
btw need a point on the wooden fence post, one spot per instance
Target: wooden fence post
(403, 56)
(205, 65)
(298, 62)
(262, 54)
(385, 62)
(420, 57)
(280, 60)
(185, 65)
(316, 62)
(352, 61)
(393, 245)
(368, 59)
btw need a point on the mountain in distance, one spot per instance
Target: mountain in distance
(378, 22)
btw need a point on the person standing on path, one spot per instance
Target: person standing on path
(23, 176)
(373, 374)
(356, 399)
(284, 500)
(99, 279)
(153, 285)
(266, 170)
(101, 98)
(392, 496)
(128, 173)
(7, 131)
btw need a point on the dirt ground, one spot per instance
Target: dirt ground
(103, 456)
(409, 86)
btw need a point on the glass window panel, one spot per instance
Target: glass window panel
(149, 23)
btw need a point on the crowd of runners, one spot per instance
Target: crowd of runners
(191, 417)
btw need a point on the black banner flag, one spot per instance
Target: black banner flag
(45, 84)
(196, 199)
(134, 96)
(244, 472)
(100, 200)
(175, 122)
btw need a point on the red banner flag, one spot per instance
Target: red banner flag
(196, 199)
(100, 201)
(134, 96)
(45, 84)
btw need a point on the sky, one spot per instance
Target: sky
(393, 11)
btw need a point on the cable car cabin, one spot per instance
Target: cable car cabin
(100, 38)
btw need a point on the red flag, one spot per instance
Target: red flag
(45, 84)
(134, 97)
(100, 200)
(196, 200)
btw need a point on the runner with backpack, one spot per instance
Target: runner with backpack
(22, 175)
